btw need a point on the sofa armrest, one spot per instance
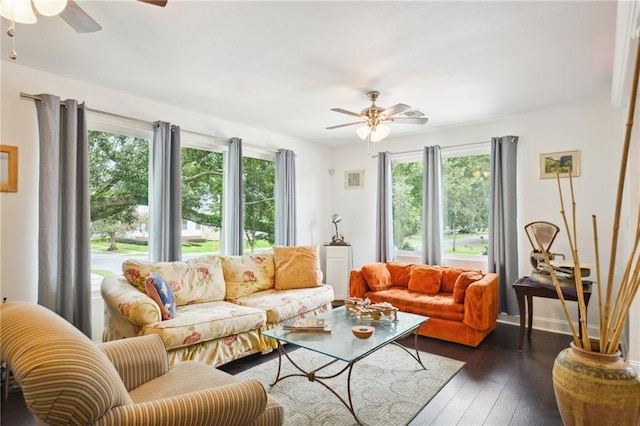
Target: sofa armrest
(233, 404)
(481, 303)
(138, 359)
(135, 306)
(357, 284)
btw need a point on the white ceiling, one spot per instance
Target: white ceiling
(281, 66)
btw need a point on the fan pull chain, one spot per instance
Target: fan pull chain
(11, 32)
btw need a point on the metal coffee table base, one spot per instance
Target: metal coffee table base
(313, 375)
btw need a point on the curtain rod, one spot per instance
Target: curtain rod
(40, 99)
(443, 148)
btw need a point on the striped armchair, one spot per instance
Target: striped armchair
(68, 379)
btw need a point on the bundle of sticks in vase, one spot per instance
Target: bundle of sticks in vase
(362, 307)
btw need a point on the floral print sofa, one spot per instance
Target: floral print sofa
(223, 303)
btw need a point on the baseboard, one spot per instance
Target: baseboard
(545, 324)
(560, 327)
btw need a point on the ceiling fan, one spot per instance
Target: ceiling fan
(22, 11)
(373, 117)
(80, 20)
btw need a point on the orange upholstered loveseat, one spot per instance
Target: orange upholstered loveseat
(462, 304)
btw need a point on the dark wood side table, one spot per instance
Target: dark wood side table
(526, 288)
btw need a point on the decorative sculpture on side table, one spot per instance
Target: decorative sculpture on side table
(338, 239)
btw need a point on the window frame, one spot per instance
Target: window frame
(465, 150)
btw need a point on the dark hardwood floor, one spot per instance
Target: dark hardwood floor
(497, 386)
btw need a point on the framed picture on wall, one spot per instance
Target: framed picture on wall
(559, 162)
(354, 179)
(8, 168)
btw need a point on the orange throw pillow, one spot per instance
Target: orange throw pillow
(450, 275)
(425, 279)
(464, 280)
(297, 267)
(377, 276)
(400, 272)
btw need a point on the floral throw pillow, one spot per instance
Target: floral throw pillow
(245, 275)
(160, 291)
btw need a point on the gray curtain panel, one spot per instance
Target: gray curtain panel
(233, 221)
(165, 209)
(503, 230)
(64, 253)
(285, 197)
(432, 205)
(384, 219)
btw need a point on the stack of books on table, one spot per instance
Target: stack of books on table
(309, 325)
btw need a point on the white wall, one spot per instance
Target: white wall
(18, 211)
(596, 130)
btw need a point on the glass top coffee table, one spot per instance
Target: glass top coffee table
(342, 345)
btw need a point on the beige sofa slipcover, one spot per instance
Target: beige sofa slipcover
(222, 304)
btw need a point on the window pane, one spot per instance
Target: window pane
(201, 201)
(119, 187)
(259, 205)
(466, 204)
(407, 206)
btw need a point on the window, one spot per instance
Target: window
(259, 204)
(406, 181)
(119, 187)
(465, 192)
(202, 175)
(465, 197)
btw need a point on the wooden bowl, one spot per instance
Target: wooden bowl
(362, 331)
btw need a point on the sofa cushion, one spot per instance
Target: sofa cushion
(297, 267)
(400, 272)
(377, 276)
(438, 305)
(205, 321)
(194, 281)
(244, 275)
(464, 280)
(282, 304)
(160, 291)
(450, 275)
(425, 279)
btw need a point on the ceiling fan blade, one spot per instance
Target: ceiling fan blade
(344, 125)
(408, 120)
(161, 3)
(396, 109)
(78, 19)
(344, 111)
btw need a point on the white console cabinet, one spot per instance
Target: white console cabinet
(338, 267)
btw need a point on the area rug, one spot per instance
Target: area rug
(388, 387)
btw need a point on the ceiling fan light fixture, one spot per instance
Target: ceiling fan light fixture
(363, 132)
(380, 132)
(19, 11)
(50, 7)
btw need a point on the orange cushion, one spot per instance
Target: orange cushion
(377, 276)
(400, 272)
(464, 280)
(297, 267)
(450, 275)
(425, 279)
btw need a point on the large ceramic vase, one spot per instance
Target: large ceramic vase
(596, 389)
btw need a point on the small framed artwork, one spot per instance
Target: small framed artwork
(354, 179)
(559, 162)
(8, 168)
